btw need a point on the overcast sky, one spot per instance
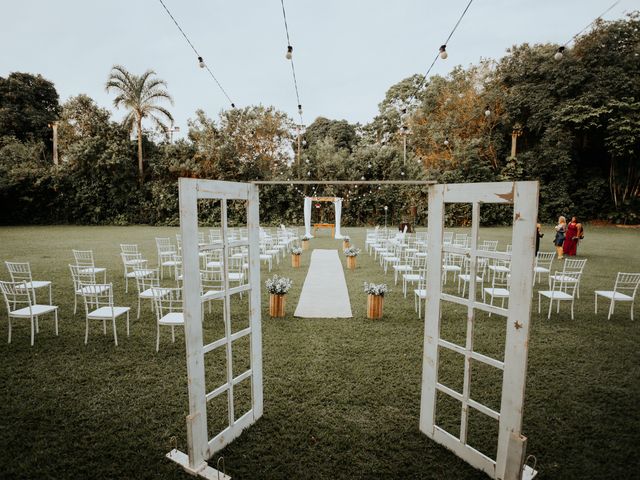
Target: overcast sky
(346, 53)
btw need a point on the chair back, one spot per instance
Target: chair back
(627, 283)
(19, 271)
(97, 295)
(164, 245)
(460, 239)
(544, 259)
(128, 248)
(129, 259)
(211, 279)
(488, 245)
(80, 277)
(16, 295)
(574, 265)
(84, 258)
(150, 279)
(566, 282)
(167, 300)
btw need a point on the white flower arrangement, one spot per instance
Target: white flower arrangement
(306, 237)
(296, 251)
(278, 285)
(346, 238)
(376, 289)
(352, 252)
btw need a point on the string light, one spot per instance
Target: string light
(446, 141)
(289, 56)
(201, 63)
(559, 54)
(487, 111)
(443, 52)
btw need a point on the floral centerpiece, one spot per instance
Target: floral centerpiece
(375, 298)
(351, 253)
(295, 257)
(277, 287)
(345, 241)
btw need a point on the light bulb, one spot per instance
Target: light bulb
(402, 173)
(369, 166)
(362, 177)
(446, 141)
(200, 62)
(385, 207)
(443, 52)
(309, 174)
(559, 54)
(308, 161)
(487, 111)
(289, 53)
(299, 109)
(304, 142)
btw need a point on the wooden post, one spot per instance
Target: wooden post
(351, 263)
(295, 260)
(305, 244)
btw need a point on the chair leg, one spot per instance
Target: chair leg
(75, 303)
(32, 331)
(86, 332)
(173, 334)
(539, 302)
(37, 325)
(157, 337)
(596, 295)
(50, 297)
(104, 327)
(55, 312)
(611, 308)
(138, 315)
(550, 306)
(115, 333)
(571, 309)
(127, 323)
(9, 339)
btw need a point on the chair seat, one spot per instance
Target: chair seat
(402, 268)
(451, 268)
(236, 276)
(92, 270)
(564, 278)
(214, 263)
(466, 278)
(148, 293)
(35, 311)
(499, 268)
(107, 312)
(135, 261)
(421, 292)
(35, 284)
(541, 270)
(92, 289)
(172, 318)
(611, 295)
(170, 263)
(140, 273)
(412, 277)
(556, 295)
(211, 295)
(497, 292)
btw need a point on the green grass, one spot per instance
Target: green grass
(341, 396)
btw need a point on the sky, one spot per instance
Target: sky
(347, 53)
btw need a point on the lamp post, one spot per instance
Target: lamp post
(54, 127)
(515, 133)
(385, 216)
(170, 132)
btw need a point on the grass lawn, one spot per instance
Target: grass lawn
(341, 396)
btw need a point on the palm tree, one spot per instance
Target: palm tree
(139, 95)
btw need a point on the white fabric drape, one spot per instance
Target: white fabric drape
(338, 205)
(307, 217)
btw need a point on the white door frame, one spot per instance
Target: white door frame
(200, 447)
(509, 463)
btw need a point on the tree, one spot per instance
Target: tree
(139, 95)
(28, 104)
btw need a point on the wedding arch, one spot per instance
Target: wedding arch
(337, 202)
(510, 460)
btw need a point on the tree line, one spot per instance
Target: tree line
(575, 122)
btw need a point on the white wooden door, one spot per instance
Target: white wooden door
(200, 446)
(508, 464)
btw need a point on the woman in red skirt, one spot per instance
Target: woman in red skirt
(570, 245)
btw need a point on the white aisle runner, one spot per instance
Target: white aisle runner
(324, 293)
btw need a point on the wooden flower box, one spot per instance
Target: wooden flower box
(276, 305)
(375, 304)
(295, 260)
(305, 244)
(351, 263)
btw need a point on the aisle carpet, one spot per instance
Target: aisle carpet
(324, 293)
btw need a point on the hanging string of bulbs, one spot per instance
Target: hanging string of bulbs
(201, 62)
(560, 52)
(289, 56)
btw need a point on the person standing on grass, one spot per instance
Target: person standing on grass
(539, 235)
(570, 245)
(561, 229)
